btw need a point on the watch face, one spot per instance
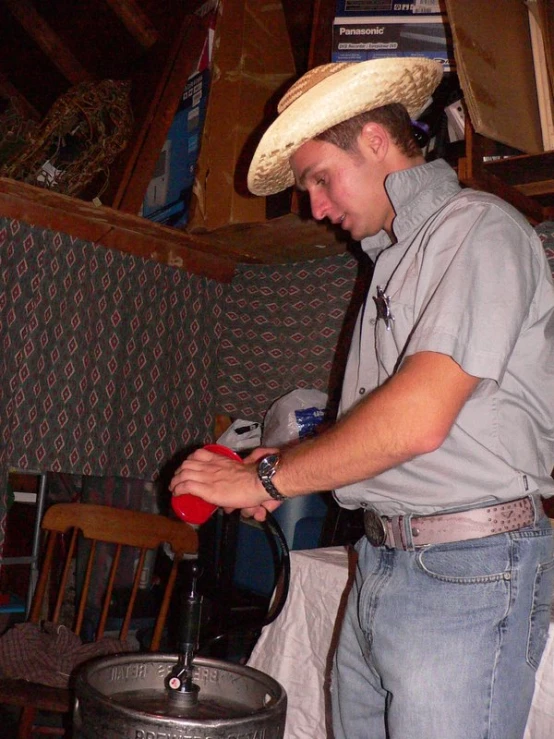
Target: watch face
(267, 467)
(267, 464)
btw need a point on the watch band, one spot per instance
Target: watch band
(272, 490)
(267, 467)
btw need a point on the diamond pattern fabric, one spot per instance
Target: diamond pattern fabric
(108, 362)
(546, 234)
(283, 329)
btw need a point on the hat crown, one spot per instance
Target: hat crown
(309, 80)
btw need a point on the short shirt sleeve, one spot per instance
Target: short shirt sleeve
(475, 290)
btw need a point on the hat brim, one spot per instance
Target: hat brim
(354, 89)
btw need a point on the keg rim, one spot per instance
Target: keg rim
(84, 691)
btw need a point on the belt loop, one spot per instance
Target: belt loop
(395, 526)
(538, 509)
(406, 532)
(401, 532)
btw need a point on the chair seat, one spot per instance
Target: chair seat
(24, 693)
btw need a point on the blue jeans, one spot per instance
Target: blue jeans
(443, 642)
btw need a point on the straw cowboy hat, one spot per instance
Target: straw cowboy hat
(330, 94)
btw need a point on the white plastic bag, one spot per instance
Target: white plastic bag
(294, 416)
(242, 435)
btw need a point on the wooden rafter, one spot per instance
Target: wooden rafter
(135, 20)
(48, 40)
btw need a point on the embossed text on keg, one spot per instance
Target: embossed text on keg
(206, 674)
(127, 672)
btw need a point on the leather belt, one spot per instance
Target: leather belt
(443, 528)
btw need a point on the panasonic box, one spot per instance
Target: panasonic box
(360, 38)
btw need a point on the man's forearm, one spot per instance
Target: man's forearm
(409, 415)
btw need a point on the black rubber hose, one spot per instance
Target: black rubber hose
(274, 532)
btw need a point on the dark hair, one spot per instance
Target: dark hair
(394, 117)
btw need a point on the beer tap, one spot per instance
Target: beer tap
(180, 682)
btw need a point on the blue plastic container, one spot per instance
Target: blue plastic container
(301, 520)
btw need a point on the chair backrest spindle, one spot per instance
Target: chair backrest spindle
(65, 574)
(85, 590)
(123, 634)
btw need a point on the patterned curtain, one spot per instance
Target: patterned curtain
(287, 327)
(108, 361)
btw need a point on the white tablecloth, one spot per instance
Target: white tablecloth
(296, 649)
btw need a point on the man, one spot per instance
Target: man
(446, 428)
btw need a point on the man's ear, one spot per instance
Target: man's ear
(374, 139)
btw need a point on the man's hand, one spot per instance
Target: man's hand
(225, 482)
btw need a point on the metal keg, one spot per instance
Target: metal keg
(126, 697)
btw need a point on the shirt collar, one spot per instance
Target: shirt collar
(415, 194)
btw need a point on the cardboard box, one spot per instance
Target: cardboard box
(496, 71)
(543, 60)
(359, 8)
(252, 65)
(168, 195)
(361, 38)
(544, 10)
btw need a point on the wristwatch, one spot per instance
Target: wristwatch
(267, 467)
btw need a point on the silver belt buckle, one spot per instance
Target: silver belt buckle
(374, 528)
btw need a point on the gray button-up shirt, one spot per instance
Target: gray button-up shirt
(466, 277)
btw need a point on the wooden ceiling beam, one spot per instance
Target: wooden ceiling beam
(136, 21)
(48, 40)
(112, 229)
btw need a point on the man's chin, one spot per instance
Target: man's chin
(363, 233)
(356, 234)
(349, 229)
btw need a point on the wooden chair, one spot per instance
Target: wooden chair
(97, 523)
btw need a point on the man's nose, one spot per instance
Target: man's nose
(319, 205)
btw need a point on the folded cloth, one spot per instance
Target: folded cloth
(48, 653)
